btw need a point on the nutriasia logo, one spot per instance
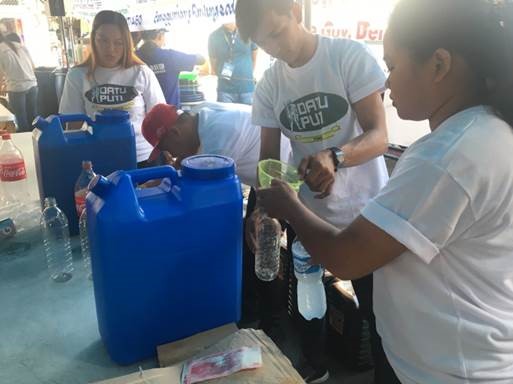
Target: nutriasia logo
(313, 112)
(13, 172)
(111, 94)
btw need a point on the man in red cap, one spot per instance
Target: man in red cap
(213, 128)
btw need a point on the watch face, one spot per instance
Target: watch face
(338, 156)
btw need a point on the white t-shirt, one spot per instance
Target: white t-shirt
(444, 308)
(18, 68)
(312, 106)
(134, 89)
(226, 129)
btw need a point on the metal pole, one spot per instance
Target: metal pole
(63, 37)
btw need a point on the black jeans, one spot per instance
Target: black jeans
(24, 107)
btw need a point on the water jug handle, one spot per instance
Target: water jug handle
(140, 176)
(75, 117)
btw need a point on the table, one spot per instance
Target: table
(48, 330)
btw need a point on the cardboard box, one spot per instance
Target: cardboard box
(276, 367)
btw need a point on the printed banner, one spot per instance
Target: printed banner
(153, 14)
(362, 20)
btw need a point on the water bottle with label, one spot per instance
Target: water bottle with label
(54, 225)
(311, 297)
(267, 254)
(13, 174)
(81, 186)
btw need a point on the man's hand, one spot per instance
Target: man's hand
(170, 160)
(318, 172)
(279, 200)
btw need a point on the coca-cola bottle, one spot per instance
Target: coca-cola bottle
(13, 174)
(81, 185)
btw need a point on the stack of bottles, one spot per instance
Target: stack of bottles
(190, 92)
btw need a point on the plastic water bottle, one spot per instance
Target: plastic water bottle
(84, 244)
(311, 297)
(267, 255)
(81, 185)
(54, 226)
(13, 174)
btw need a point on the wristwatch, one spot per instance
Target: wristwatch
(338, 157)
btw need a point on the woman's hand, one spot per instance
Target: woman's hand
(279, 200)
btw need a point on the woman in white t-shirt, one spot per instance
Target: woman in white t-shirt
(113, 77)
(17, 68)
(439, 236)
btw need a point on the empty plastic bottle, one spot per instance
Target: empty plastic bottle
(267, 254)
(54, 226)
(84, 244)
(311, 297)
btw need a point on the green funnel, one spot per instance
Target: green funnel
(274, 169)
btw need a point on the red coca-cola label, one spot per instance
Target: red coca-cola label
(13, 171)
(80, 202)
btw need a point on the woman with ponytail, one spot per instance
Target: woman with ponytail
(18, 69)
(439, 236)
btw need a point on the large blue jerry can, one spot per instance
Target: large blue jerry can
(109, 142)
(167, 260)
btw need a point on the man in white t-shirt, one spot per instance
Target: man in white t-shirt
(213, 128)
(324, 95)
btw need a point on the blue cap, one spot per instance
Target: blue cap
(208, 167)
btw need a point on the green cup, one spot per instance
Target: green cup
(274, 169)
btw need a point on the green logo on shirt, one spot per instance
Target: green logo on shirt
(313, 112)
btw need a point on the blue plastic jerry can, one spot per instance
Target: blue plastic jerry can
(108, 141)
(167, 260)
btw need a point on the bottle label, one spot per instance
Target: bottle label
(13, 171)
(80, 201)
(302, 265)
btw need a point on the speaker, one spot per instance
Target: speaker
(56, 7)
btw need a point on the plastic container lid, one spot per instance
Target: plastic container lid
(112, 116)
(184, 75)
(208, 167)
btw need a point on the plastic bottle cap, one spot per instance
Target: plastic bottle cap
(87, 165)
(208, 167)
(50, 201)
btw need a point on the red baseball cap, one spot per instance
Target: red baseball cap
(157, 124)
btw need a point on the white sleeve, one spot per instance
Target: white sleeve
(421, 207)
(263, 104)
(360, 70)
(152, 94)
(72, 99)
